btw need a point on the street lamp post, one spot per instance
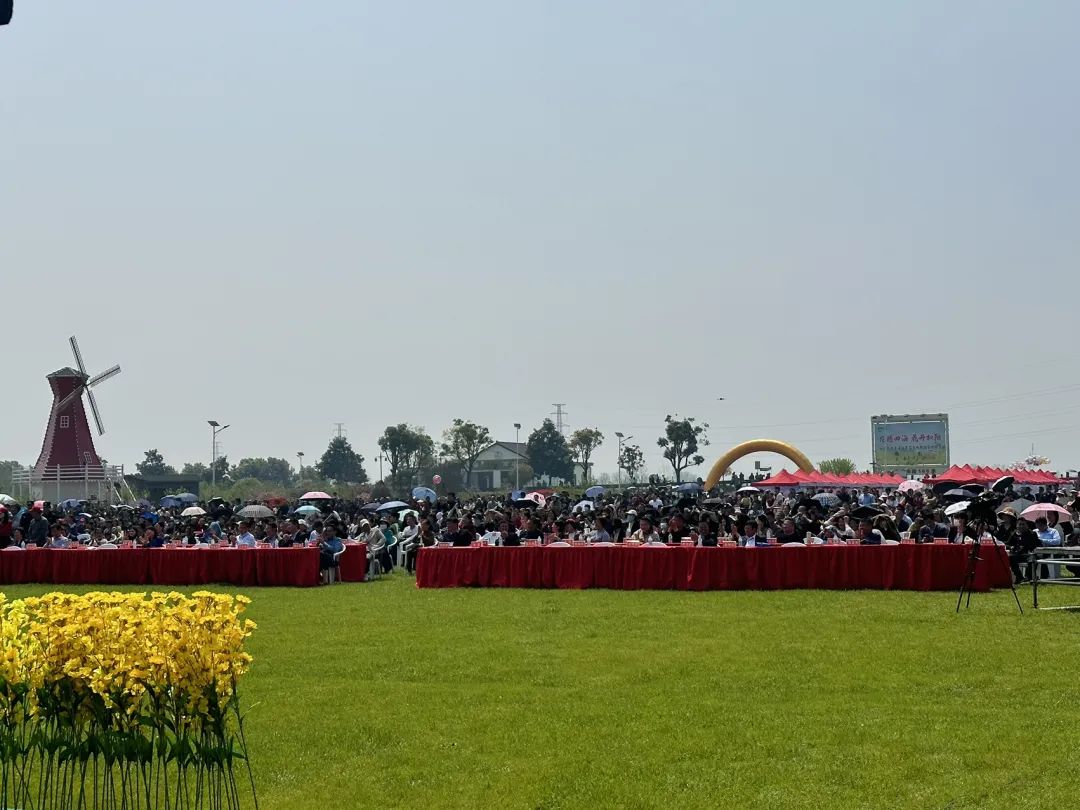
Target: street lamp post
(215, 428)
(517, 456)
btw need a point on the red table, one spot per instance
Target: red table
(261, 567)
(354, 562)
(902, 567)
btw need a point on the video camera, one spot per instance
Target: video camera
(984, 506)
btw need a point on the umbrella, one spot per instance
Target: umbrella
(85, 515)
(537, 498)
(168, 502)
(193, 511)
(70, 503)
(424, 494)
(963, 494)
(1019, 505)
(747, 489)
(315, 496)
(370, 507)
(392, 505)
(827, 499)
(583, 505)
(404, 512)
(256, 510)
(594, 492)
(865, 512)
(1042, 510)
(957, 508)
(124, 506)
(689, 486)
(713, 501)
(7, 500)
(911, 486)
(306, 509)
(186, 497)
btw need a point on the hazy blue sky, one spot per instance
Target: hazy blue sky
(286, 215)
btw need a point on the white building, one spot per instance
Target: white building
(494, 469)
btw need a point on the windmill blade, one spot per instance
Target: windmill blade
(95, 411)
(70, 398)
(103, 376)
(78, 355)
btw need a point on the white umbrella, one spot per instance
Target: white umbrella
(193, 511)
(827, 499)
(256, 510)
(583, 505)
(911, 486)
(957, 508)
(315, 496)
(747, 489)
(307, 509)
(7, 500)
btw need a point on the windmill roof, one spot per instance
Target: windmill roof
(67, 371)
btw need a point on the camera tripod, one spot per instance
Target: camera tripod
(973, 561)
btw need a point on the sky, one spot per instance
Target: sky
(283, 216)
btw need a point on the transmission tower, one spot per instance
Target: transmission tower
(559, 413)
(340, 431)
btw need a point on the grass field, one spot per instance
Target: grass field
(380, 695)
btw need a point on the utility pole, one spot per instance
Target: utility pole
(622, 440)
(559, 413)
(300, 458)
(340, 431)
(517, 456)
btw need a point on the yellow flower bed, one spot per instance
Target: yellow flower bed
(142, 687)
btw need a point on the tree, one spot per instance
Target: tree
(341, 463)
(837, 466)
(549, 454)
(154, 464)
(463, 442)
(407, 450)
(7, 471)
(681, 440)
(583, 444)
(198, 468)
(632, 460)
(272, 470)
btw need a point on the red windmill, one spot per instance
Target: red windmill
(68, 459)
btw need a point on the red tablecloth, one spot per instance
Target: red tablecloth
(298, 567)
(354, 562)
(902, 567)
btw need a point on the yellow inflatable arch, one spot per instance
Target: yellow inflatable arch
(756, 446)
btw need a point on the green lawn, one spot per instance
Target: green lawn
(380, 695)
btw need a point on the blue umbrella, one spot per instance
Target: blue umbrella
(392, 505)
(594, 492)
(517, 495)
(690, 486)
(186, 497)
(70, 503)
(370, 507)
(307, 509)
(170, 502)
(424, 493)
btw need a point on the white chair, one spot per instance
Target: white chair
(374, 566)
(333, 573)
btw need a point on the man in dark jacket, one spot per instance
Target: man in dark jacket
(37, 532)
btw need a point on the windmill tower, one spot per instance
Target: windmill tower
(69, 466)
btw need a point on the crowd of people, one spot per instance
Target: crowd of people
(395, 533)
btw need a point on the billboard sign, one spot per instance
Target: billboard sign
(912, 442)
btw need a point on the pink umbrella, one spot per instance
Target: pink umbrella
(1041, 510)
(315, 496)
(910, 486)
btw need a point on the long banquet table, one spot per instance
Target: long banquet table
(930, 567)
(296, 567)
